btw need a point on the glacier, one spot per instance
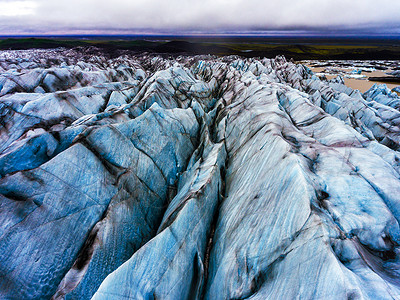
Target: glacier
(194, 177)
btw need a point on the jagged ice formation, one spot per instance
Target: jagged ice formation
(142, 177)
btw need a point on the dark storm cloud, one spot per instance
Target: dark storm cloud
(79, 16)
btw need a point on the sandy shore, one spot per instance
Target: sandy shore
(363, 84)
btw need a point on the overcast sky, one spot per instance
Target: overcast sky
(213, 16)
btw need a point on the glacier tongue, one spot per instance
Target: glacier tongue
(196, 177)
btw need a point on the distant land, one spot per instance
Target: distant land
(292, 47)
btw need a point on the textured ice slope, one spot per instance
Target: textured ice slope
(141, 177)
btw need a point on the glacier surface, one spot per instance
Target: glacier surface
(195, 177)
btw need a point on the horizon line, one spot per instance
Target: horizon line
(206, 35)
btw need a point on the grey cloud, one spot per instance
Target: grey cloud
(78, 15)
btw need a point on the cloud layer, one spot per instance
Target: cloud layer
(94, 16)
